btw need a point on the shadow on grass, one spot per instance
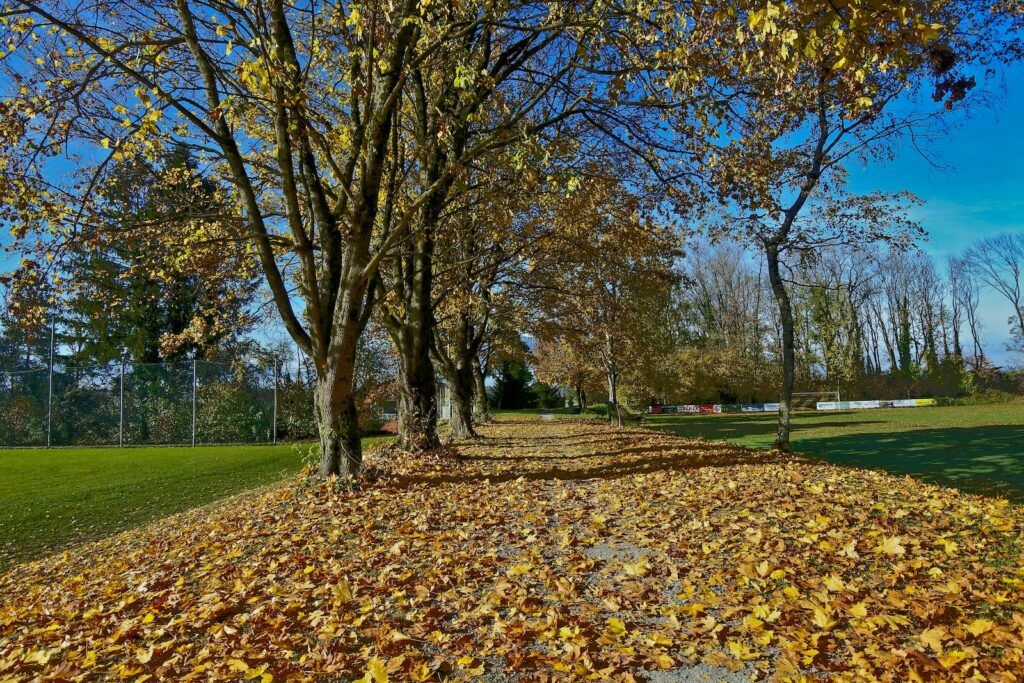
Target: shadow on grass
(984, 459)
(730, 427)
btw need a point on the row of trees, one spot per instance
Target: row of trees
(454, 172)
(868, 323)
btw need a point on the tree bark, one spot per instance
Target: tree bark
(411, 332)
(341, 451)
(613, 384)
(417, 405)
(788, 348)
(614, 412)
(458, 361)
(481, 411)
(460, 388)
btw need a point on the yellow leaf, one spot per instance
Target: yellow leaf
(834, 583)
(342, 591)
(616, 626)
(952, 659)
(420, 672)
(519, 569)
(823, 619)
(979, 626)
(741, 651)
(638, 568)
(933, 638)
(238, 665)
(859, 610)
(376, 672)
(891, 546)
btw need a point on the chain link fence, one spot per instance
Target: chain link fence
(189, 402)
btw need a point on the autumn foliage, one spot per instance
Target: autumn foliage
(547, 551)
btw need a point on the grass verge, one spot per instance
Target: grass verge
(979, 448)
(50, 499)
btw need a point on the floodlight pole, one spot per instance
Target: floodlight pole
(49, 391)
(193, 400)
(274, 438)
(120, 408)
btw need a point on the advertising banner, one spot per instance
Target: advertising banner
(868, 405)
(863, 405)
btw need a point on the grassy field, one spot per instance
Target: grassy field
(975, 448)
(52, 498)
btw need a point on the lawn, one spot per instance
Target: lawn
(50, 499)
(976, 448)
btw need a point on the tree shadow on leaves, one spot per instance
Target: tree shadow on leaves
(664, 456)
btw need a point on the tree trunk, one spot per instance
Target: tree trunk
(481, 412)
(412, 333)
(614, 412)
(337, 420)
(417, 405)
(460, 388)
(458, 361)
(613, 383)
(788, 348)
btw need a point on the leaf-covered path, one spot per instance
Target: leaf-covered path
(547, 551)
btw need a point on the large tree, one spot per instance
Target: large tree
(781, 174)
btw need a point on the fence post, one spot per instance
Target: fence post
(49, 391)
(276, 366)
(120, 409)
(193, 400)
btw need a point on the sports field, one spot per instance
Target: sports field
(975, 448)
(50, 499)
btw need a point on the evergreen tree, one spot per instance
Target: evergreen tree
(140, 296)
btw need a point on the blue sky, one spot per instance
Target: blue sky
(978, 191)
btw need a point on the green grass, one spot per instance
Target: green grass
(50, 499)
(976, 448)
